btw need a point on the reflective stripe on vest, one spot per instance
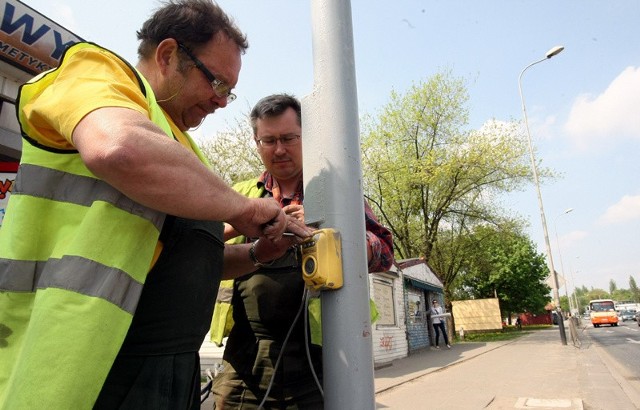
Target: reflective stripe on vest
(60, 181)
(77, 189)
(75, 273)
(74, 253)
(224, 294)
(222, 321)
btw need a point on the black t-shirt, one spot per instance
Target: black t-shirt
(176, 305)
(265, 305)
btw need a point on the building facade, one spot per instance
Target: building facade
(389, 331)
(402, 298)
(421, 287)
(30, 43)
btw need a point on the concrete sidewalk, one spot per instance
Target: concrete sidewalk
(534, 371)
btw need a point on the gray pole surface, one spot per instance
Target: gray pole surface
(334, 196)
(536, 179)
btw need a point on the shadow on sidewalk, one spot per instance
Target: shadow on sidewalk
(428, 361)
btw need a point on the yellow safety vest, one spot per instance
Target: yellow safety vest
(222, 321)
(74, 255)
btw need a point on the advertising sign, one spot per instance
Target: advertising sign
(29, 40)
(7, 176)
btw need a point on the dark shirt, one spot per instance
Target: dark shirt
(266, 304)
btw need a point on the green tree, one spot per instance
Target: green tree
(425, 173)
(612, 286)
(504, 263)
(633, 288)
(232, 153)
(596, 293)
(621, 295)
(583, 298)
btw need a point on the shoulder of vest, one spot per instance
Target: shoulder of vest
(249, 188)
(128, 64)
(70, 51)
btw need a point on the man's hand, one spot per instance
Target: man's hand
(261, 217)
(295, 221)
(296, 211)
(297, 231)
(297, 227)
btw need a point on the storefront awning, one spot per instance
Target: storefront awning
(422, 285)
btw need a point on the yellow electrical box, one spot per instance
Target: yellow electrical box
(322, 260)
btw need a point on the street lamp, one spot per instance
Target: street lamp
(566, 282)
(554, 51)
(573, 282)
(575, 298)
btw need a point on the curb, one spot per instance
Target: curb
(618, 374)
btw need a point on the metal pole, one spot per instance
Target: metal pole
(334, 195)
(566, 281)
(552, 272)
(575, 297)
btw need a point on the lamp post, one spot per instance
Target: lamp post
(566, 282)
(554, 51)
(575, 298)
(573, 282)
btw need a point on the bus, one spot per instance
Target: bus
(603, 312)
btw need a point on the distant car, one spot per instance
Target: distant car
(627, 315)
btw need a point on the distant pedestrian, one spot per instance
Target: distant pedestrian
(438, 323)
(519, 323)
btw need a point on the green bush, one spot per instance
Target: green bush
(507, 333)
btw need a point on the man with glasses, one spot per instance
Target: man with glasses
(262, 308)
(111, 249)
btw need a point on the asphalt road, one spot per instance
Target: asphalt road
(622, 344)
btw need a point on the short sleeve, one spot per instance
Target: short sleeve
(87, 80)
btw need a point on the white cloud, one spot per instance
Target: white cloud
(610, 115)
(573, 237)
(64, 16)
(627, 209)
(544, 130)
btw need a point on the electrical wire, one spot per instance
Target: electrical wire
(284, 345)
(307, 296)
(206, 390)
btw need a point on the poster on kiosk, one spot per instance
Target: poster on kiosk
(7, 176)
(30, 43)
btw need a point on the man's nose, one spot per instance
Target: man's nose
(280, 148)
(221, 102)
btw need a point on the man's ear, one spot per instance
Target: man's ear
(167, 55)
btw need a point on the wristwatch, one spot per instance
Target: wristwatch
(254, 259)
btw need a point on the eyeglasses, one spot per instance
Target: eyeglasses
(286, 140)
(221, 89)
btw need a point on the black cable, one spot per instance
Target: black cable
(307, 296)
(284, 344)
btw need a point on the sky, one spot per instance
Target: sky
(583, 105)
